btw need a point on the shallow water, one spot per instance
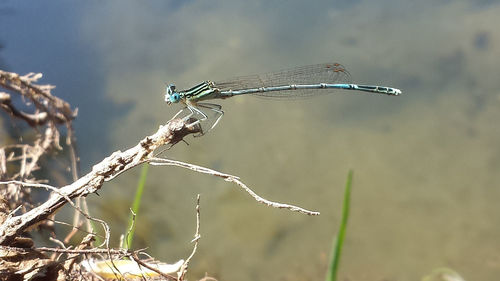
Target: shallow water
(426, 179)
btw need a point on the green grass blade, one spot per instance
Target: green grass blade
(339, 240)
(136, 205)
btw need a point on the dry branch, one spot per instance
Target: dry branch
(230, 178)
(16, 218)
(44, 113)
(112, 166)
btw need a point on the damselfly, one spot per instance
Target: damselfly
(296, 82)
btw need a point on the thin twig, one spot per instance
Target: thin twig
(68, 199)
(132, 226)
(42, 111)
(230, 178)
(173, 132)
(138, 260)
(182, 272)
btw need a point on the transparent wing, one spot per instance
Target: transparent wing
(330, 73)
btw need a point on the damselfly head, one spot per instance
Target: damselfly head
(172, 96)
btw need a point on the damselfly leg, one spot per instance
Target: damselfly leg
(200, 113)
(216, 108)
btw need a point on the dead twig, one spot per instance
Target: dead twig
(182, 272)
(43, 112)
(230, 178)
(173, 132)
(50, 112)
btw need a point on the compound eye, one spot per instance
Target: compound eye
(170, 89)
(175, 97)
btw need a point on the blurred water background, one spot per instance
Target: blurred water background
(426, 164)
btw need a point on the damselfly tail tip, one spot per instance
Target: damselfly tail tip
(396, 92)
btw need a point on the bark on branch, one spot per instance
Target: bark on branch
(169, 134)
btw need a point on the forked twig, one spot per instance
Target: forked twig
(155, 161)
(51, 111)
(173, 132)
